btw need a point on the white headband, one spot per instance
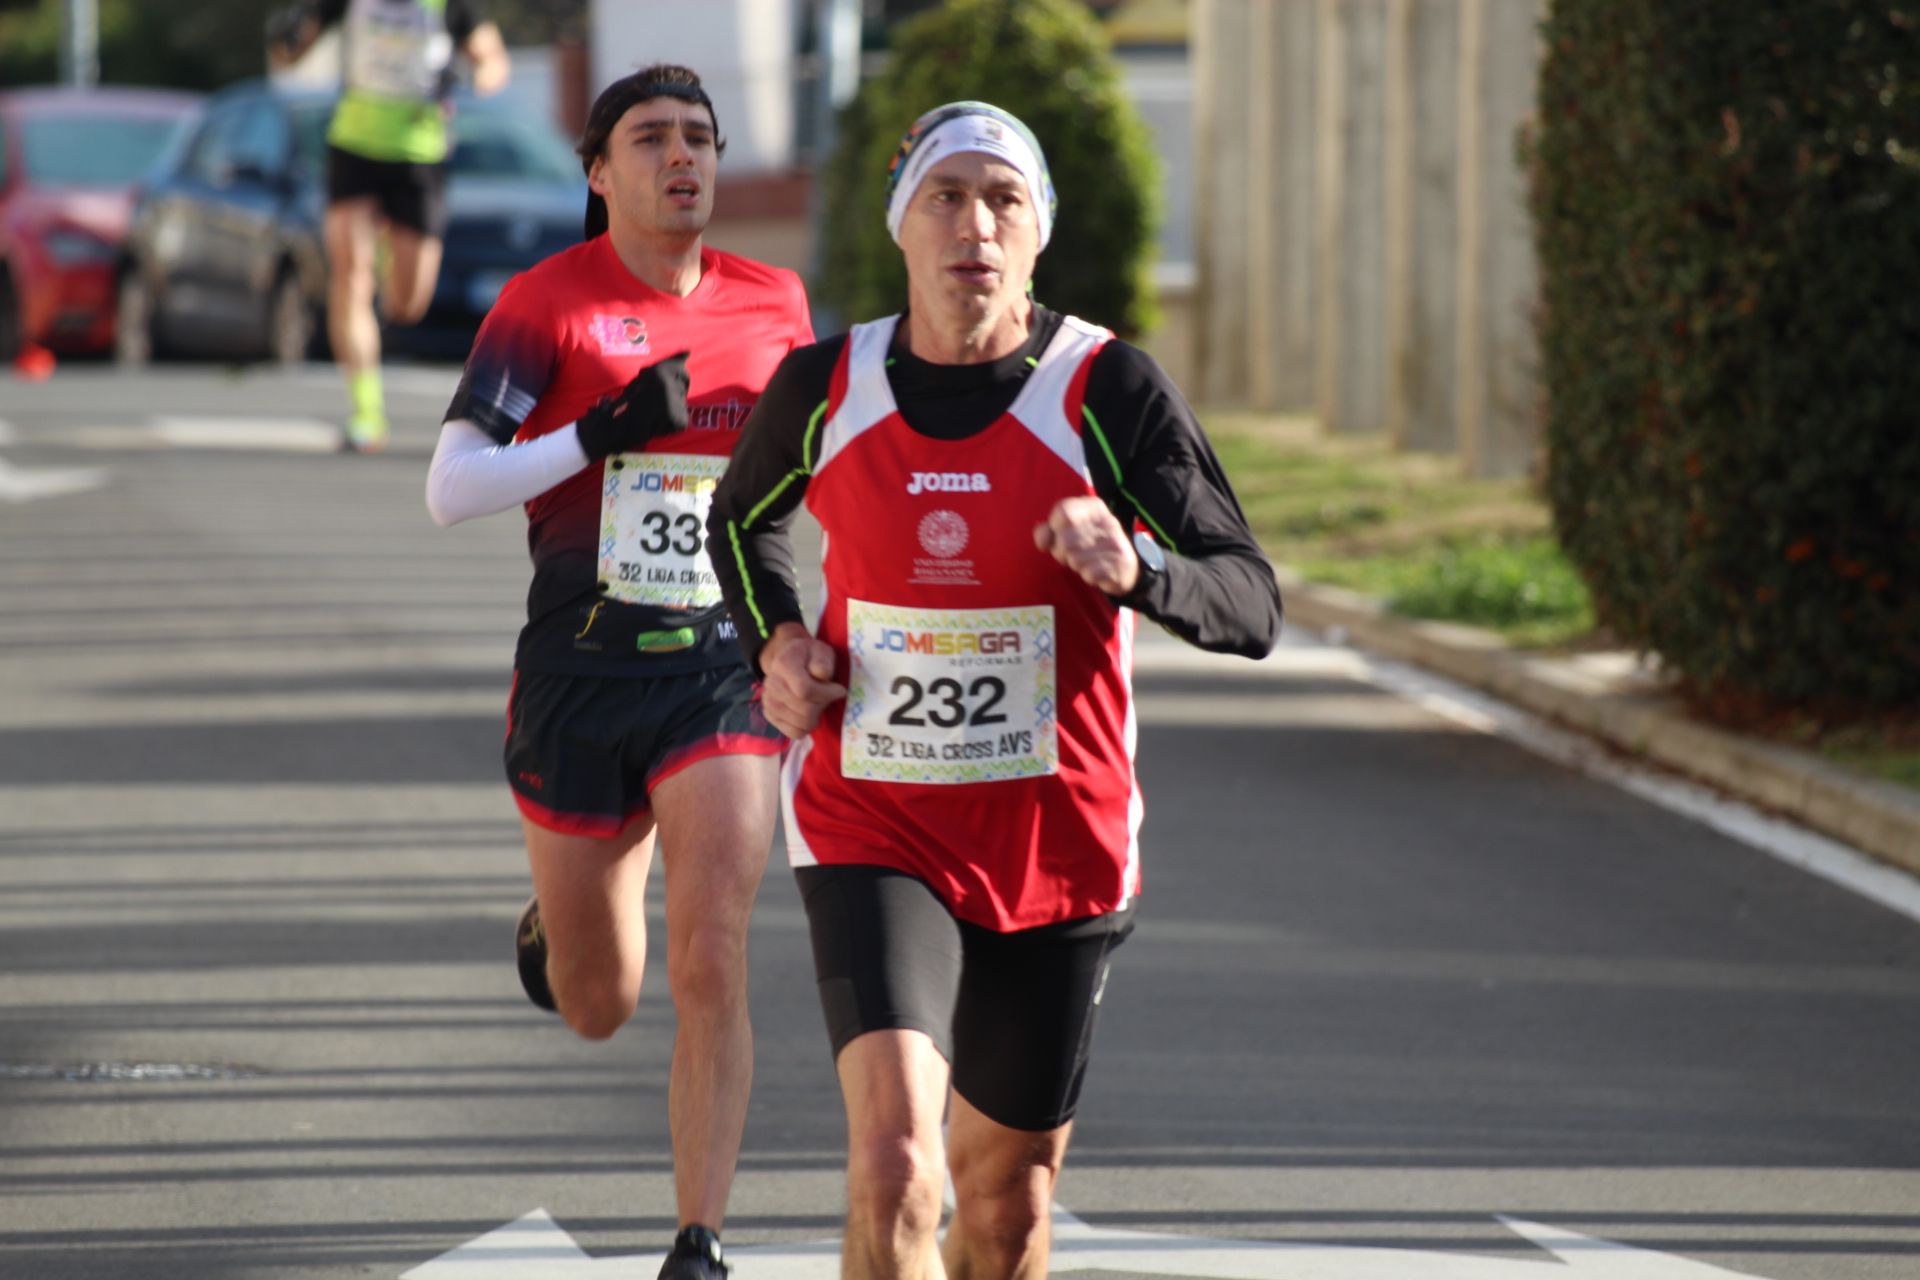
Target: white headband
(972, 132)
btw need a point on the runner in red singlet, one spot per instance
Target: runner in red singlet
(1002, 489)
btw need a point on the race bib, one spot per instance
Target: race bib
(396, 55)
(653, 529)
(949, 695)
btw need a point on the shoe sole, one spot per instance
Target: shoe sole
(530, 949)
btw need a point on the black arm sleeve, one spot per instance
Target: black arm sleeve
(748, 528)
(328, 12)
(1151, 461)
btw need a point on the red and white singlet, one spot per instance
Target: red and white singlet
(986, 744)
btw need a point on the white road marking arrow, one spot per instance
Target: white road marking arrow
(538, 1248)
(18, 484)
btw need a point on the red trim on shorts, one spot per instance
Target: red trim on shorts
(721, 744)
(597, 825)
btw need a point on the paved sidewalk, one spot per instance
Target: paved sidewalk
(1614, 698)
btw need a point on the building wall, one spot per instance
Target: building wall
(743, 50)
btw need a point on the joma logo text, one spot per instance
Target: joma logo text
(949, 482)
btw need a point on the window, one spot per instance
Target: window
(260, 138)
(92, 149)
(211, 157)
(489, 144)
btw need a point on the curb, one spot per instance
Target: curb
(1635, 715)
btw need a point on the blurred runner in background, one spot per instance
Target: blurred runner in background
(386, 167)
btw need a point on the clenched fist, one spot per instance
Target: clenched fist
(1085, 537)
(799, 684)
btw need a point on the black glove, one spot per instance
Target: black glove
(653, 404)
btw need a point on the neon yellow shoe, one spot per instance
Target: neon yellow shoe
(367, 425)
(367, 435)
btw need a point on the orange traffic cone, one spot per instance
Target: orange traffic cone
(34, 363)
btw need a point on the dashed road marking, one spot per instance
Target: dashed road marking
(22, 484)
(290, 435)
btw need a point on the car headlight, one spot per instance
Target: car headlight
(70, 248)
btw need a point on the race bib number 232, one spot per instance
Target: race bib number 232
(949, 695)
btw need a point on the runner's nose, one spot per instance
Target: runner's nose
(679, 150)
(979, 222)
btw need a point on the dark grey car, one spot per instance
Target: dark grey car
(225, 257)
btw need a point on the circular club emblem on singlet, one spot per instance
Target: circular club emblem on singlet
(943, 534)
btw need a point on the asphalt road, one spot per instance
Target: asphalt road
(1405, 1000)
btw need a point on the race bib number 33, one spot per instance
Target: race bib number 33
(653, 529)
(949, 695)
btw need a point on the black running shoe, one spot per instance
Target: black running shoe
(696, 1256)
(530, 944)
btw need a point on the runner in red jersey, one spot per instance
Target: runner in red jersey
(605, 392)
(1002, 489)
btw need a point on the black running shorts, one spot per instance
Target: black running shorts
(582, 752)
(1013, 1013)
(412, 195)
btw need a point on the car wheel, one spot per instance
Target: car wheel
(133, 321)
(290, 321)
(9, 320)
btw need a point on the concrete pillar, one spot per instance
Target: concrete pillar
(1290, 60)
(1350, 359)
(1422, 200)
(1222, 75)
(1497, 368)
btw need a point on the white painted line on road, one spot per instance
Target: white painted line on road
(293, 435)
(436, 381)
(116, 439)
(19, 484)
(535, 1247)
(1791, 844)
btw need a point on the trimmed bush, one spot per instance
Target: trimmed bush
(1727, 200)
(1046, 61)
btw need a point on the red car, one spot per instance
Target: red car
(69, 162)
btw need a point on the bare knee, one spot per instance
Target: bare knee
(351, 287)
(1003, 1197)
(893, 1186)
(349, 258)
(403, 310)
(595, 1004)
(1001, 1225)
(412, 272)
(708, 969)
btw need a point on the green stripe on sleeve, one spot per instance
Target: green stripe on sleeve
(1113, 465)
(746, 580)
(806, 443)
(760, 508)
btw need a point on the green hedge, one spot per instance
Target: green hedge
(1727, 200)
(1046, 61)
